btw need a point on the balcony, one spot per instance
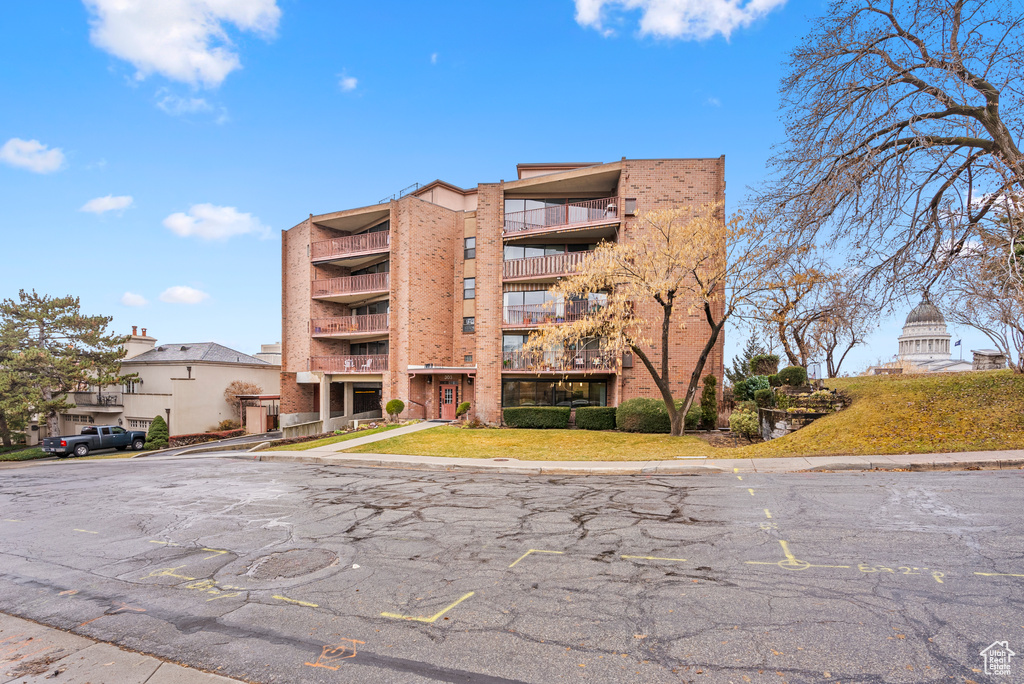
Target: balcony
(99, 402)
(581, 361)
(371, 363)
(533, 315)
(351, 288)
(574, 216)
(350, 326)
(544, 267)
(351, 246)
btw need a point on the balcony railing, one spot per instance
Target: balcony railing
(332, 287)
(593, 211)
(98, 398)
(372, 363)
(537, 314)
(339, 326)
(583, 361)
(351, 245)
(544, 266)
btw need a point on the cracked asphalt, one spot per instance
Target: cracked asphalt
(300, 573)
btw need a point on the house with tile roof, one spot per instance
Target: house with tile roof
(184, 382)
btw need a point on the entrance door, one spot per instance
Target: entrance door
(448, 397)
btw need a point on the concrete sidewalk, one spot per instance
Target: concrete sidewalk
(376, 437)
(974, 460)
(31, 653)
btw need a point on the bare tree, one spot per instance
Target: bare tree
(788, 311)
(240, 387)
(848, 315)
(680, 264)
(897, 111)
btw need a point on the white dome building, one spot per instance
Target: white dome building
(925, 342)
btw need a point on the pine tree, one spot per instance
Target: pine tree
(709, 403)
(59, 349)
(158, 437)
(741, 364)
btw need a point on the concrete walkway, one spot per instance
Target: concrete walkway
(376, 437)
(31, 653)
(974, 460)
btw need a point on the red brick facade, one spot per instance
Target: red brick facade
(427, 270)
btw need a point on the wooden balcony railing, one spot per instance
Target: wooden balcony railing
(584, 361)
(339, 326)
(544, 266)
(351, 245)
(371, 282)
(601, 210)
(366, 363)
(537, 314)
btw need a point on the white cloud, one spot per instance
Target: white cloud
(184, 40)
(176, 106)
(348, 83)
(132, 299)
(433, 58)
(183, 294)
(32, 155)
(713, 101)
(210, 222)
(101, 205)
(685, 19)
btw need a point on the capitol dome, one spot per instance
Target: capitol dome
(924, 339)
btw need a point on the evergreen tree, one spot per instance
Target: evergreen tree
(709, 403)
(58, 349)
(158, 437)
(18, 394)
(741, 364)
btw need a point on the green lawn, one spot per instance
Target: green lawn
(302, 446)
(22, 454)
(539, 445)
(889, 415)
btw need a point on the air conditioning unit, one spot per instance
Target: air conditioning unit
(629, 206)
(627, 360)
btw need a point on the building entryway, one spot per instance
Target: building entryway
(449, 397)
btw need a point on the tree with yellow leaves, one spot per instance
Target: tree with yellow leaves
(680, 262)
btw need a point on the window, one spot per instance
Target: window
(382, 307)
(468, 358)
(469, 248)
(469, 288)
(381, 227)
(139, 423)
(118, 430)
(469, 325)
(369, 348)
(552, 393)
(381, 267)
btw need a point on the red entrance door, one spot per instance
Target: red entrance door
(448, 402)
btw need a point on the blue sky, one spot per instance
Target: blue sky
(150, 171)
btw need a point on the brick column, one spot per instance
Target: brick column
(490, 219)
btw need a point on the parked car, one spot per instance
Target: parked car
(95, 437)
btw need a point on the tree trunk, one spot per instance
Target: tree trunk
(698, 370)
(52, 421)
(5, 431)
(662, 379)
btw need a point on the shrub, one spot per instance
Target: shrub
(203, 437)
(228, 424)
(773, 381)
(693, 417)
(537, 417)
(758, 382)
(793, 375)
(158, 437)
(783, 401)
(741, 390)
(643, 415)
(744, 423)
(764, 364)
(462, 409)
(394, 407)
(764, 398)
(595, 417)
(709, 403)
(747, 406)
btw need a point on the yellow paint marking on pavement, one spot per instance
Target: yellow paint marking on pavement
(300, 603)
(167, 572)
(533, 551)
(739, 477)
(792, 562)
(998, 574)
(216, 552)
(154, 541)
(767, 513)
(12, 520)
(785, 550)
(86, 531)
(735, 470)
(655, 558)
(751, 492)
(433, 618)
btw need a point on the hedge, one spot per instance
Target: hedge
(644, 415)
(793, 375)
(537, 417)
(202, 437)
(692, 419)
(764, 398)
(595, 417)
(764, 364)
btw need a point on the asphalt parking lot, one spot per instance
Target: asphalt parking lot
(300, 573)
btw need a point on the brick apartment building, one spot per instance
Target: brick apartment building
(429, 296)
